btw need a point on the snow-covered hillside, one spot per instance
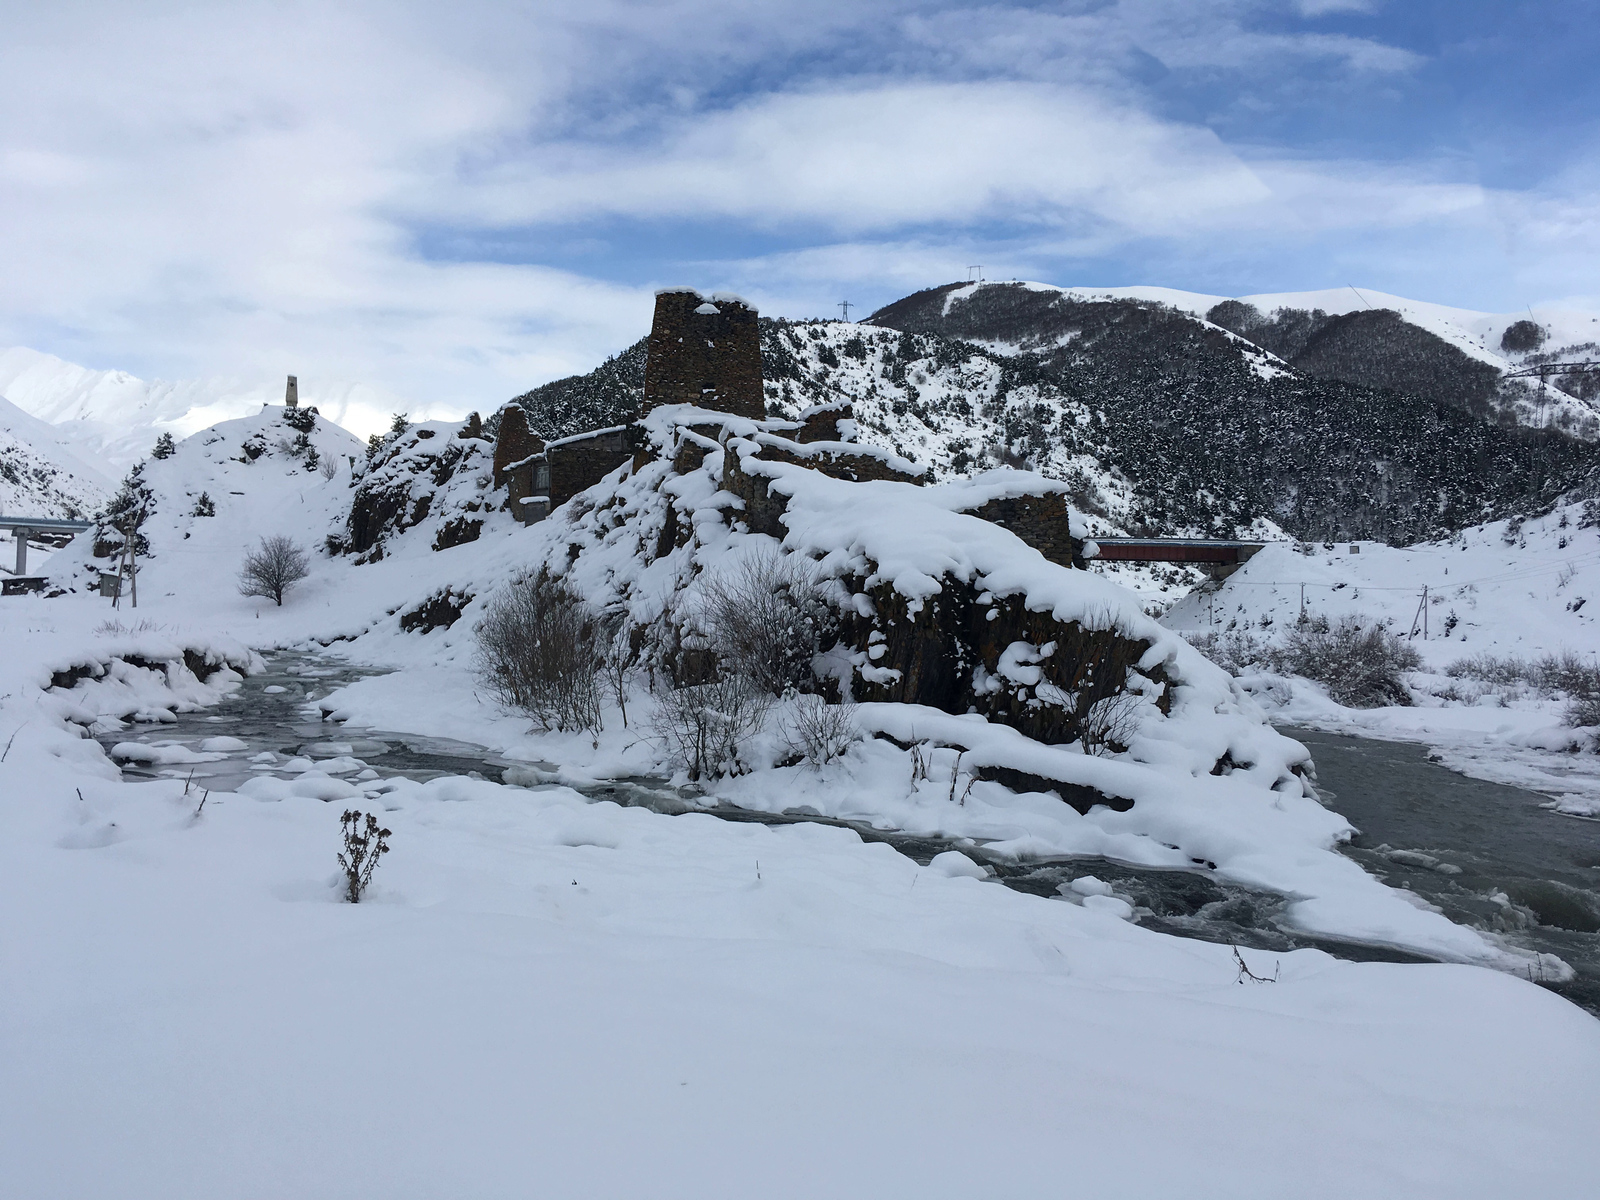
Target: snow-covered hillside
(536, 978)
(1565, 335)
(117, 416)
(1482, 610)
(43, 473)
(1477, 333)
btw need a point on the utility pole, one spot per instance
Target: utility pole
(844, 307)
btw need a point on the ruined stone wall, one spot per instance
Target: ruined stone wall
(516, 450)
(839, 461)
(1043, 521)
(820, 423)
(704, 352)
(581, 462)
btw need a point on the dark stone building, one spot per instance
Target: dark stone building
(583, 460)
(1042, 518)
(519, 464)
(705, 352)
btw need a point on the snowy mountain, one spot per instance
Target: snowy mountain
(1367, 338)
(42, 473)
(116, 417)
(1161, 421)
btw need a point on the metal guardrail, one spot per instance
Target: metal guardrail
(45, 524)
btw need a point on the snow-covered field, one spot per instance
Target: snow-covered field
(544, 995)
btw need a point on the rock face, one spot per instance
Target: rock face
(965, 651)
(705, 352)
(432, 472)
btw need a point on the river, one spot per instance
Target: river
(1486, 855)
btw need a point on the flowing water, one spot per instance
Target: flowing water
(1485, 854)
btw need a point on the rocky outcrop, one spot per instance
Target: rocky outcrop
(966, 651)
(432, 472)
(439, 611)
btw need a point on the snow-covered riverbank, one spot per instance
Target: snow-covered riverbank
(547, 994)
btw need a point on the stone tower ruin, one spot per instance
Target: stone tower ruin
(291, 394)
(704, 351)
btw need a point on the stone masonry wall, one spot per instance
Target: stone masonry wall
(1043, 521)
(581, 462)
(515, 450)
(704, 352)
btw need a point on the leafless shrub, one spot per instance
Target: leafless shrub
(1109, 725)
(819, 731)
(364, 844)
(271, 568)
(539, 651)
(1583, 712)
(1549, 673)
(1360, 667)
(330, 467)
(706, 728)
(614, 640)
(767, 617)
(115, 628)
(1234, 650)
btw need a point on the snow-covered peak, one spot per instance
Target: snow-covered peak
(42, 474)
(116, 416)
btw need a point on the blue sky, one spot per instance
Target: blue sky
(457, 201)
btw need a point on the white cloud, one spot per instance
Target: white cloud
(883, 157)
(240, 189)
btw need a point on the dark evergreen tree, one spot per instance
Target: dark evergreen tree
(128, 510)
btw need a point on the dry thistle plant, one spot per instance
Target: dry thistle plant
(363, 845)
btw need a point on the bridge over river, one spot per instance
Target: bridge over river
(22, 529)
(1219, 558)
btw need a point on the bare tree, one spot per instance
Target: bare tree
(540, 650)
(614, 640)
(768, 617)
(272, 567)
